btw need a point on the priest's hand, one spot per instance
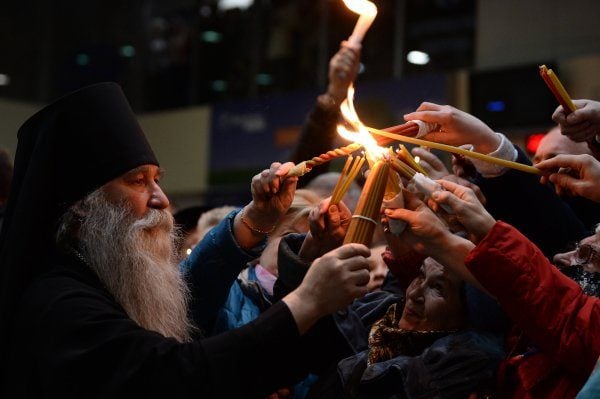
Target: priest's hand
(332, 282)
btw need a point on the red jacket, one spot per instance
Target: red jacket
(547, 306)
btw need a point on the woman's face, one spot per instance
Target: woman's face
(433, 300)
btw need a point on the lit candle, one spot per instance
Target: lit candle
(367, 11)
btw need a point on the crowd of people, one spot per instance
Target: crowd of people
(492, 290)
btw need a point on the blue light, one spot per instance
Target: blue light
(82, 59)
(127, 51)
(496, 106)
(264, 79)
(219, 85)
(210, 36)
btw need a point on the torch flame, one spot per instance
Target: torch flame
(362, 7)
(355, 131)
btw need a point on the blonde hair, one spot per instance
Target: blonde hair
(303, 202)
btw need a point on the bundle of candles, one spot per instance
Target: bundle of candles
(365, 217)
(557, 89)
(347, 176)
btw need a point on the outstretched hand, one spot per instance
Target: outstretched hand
(573, 174)
(424, 227)
(456, 127)
(434, 167)
(331, 283)
(466, 208)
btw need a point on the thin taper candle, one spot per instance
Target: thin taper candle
(461, 151)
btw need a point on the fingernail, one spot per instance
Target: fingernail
(333, 208)
(435, 195)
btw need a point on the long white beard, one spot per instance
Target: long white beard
(135, 259)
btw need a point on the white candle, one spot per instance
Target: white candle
(367, 11)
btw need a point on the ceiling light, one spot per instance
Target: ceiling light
(4, 80)
(418, 57)
(225, 5)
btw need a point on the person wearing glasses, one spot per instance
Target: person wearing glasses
(582, 264)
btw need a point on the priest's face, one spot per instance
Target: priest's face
(139, 189)
(128, 239)
(434, 300)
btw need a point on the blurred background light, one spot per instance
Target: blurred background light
(127, 51)
(82, 59)
(417, 57)
(225, 5)
(219, 85)
(264, 79)
(210, 36)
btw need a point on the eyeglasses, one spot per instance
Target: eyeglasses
(584, 254)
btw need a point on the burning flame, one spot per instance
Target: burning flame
(362, 7)
(355, 131)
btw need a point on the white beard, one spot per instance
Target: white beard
(135, 259)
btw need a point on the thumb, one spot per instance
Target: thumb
(411, 201)
(334, 215)
(574, 117)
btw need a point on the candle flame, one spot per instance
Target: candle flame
(362, 7)
(355, 131)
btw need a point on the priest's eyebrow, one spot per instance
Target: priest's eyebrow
(145, 169)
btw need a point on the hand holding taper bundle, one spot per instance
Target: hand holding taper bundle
(304, 167)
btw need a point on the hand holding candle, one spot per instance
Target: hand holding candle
(367, 11)
(583, 124)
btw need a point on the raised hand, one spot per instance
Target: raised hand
(272, 195)
(343, 68)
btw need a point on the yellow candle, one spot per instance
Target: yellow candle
(365, 217)
(461, 151)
